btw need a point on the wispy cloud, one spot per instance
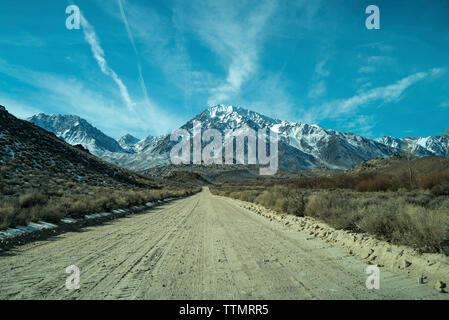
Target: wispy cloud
(319, 87)
(362, 123)
(375, 63)
(385, 94)
(69, 95)
(235, 35)
(91, 37)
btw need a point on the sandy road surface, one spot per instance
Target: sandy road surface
(202, 247)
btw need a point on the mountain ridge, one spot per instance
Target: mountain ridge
(76, 130)
(301, 145)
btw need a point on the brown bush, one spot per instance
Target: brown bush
(440, 189)
(374, 184)
(433, 179)
(32, 199)
(7, 214)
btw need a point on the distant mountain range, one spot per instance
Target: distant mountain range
(301, 146)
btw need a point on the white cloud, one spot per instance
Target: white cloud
(233, 33)
(366, 69)
(91, 37)
(385, 94)
(318, 87)
(362, 123)
(272, 99)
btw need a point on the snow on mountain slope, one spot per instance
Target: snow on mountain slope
(419, 147)
(127, 142)
(301, 146)
(315, 145)
(75, 130)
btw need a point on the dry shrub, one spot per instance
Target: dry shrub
(266, 199)
(296, 205)
(410, 217)
(433, 179)
(332, 208)
(385, 220)
(430, 229)
(32, 199)
(440, 189)
(59, 203)
(248, 196)
(7, 214)
(374, 184)
(281, 205)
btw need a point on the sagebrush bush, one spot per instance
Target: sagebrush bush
(374, 184)
(332, 208)
(430, 230)
(32, 199)
(433, 179)
(440, 189)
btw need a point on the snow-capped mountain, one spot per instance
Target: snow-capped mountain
(149, 143)
(419, 147)
(301, 146)
(75, 130)
(127, 142)
(144, 156)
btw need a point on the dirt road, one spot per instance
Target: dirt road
(202, 247)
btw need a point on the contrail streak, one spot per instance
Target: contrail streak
(91, 37)
(131, 38)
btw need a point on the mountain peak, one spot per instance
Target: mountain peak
(221, 109)
(127, 142)
(236, 115)
(128, 138)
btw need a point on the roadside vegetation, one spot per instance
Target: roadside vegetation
(53, 205)
(386, 205)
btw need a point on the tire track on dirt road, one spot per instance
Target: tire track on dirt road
(201, 247)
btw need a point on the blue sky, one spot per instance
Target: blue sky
(146, 67)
